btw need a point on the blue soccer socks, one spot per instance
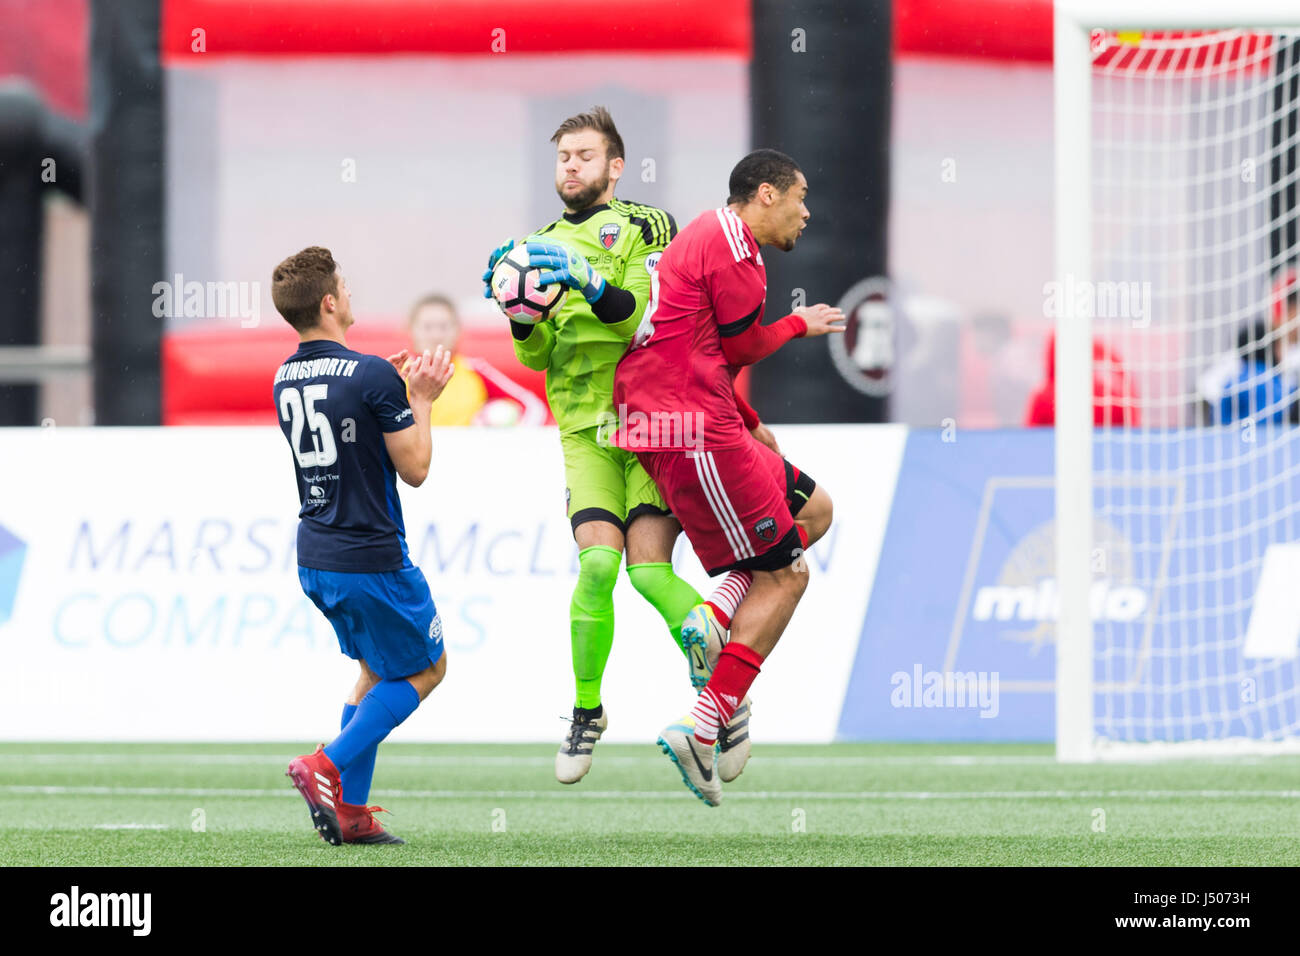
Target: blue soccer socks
(356, 779)
(388, 704)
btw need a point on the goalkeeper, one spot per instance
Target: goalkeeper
(604, 250)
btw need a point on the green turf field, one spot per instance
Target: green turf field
(116, 804)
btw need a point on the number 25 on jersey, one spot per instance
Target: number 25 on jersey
(299, 409)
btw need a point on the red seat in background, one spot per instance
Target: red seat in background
(222, 374)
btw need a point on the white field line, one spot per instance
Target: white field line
(618, 760)
(486, 760)
(557, 794)
(130, 826)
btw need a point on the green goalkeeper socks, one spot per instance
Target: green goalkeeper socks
(591, 620)
(672, 597)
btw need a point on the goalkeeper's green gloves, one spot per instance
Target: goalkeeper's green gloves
(562, 264)
(493, 259)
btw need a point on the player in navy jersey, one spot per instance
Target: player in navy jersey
(354, 424)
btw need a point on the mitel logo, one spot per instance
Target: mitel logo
(74, 909)
(1043, 602)
(12, 552)
(1023, 602)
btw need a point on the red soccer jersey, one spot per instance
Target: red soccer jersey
(674, 390)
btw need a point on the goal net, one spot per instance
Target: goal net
(1176, 314)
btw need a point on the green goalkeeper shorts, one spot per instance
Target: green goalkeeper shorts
(605, 483)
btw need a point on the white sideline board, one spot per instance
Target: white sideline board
(158, 597)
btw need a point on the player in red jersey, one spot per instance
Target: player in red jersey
(742, 505)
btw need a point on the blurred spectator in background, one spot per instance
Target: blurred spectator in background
(1114, 397)
(477, 394)
(1286, 321)
(1260, 389)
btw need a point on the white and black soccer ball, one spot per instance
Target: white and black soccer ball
(514, 286)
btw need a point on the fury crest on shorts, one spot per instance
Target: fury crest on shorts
(609, 234)
(766, 529)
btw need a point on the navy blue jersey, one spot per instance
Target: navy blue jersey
(335, 406)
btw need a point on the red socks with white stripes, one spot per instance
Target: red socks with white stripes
(726, 597)
(737, 667)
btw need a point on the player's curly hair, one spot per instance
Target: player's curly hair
(300, 282)
(761, 166)
(596, 118)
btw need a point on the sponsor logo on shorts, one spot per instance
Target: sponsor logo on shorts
(766, 529)
(568, 496)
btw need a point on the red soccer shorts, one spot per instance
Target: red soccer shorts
(736, 505)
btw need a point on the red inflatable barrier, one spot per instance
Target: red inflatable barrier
(985, 29)
(221, 374)
(362, 27)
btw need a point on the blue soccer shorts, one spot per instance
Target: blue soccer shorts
(386, 618)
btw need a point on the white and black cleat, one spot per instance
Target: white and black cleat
(733, 743)
(574, 757)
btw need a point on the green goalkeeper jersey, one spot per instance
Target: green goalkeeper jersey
(622, 241)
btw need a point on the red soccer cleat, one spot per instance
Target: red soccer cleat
(317, 780)
(358, 824)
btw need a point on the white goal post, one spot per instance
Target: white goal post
(1171, 197)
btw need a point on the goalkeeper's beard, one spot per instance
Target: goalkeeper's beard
(586, 196)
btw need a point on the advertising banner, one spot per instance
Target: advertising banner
(1195, 619)
(148, 591)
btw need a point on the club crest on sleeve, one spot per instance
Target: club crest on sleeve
(435, 628)
(766, 529)
(609, 234)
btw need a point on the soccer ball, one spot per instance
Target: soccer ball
(514, 286)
